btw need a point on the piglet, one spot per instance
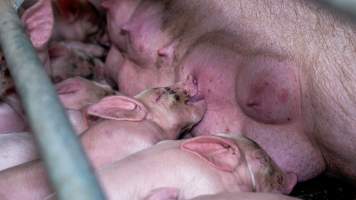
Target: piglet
(185, 169)
(133, 124)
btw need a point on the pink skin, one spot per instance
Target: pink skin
(14, 120)
(268, 76)
(113, 66)
(122, 71)
(12, 115)
(143, 49)
(154, 115)
(245, 196)
(16, 148)
(32, 179)
(187, 169)
(142, 52)
(78, 120)
(10, 121)
(118, 14)
(19, 147)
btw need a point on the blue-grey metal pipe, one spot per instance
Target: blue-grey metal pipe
(17, 3)
(348, 6)
(69, 171)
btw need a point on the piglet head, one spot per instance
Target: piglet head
(173, 109)
(242, 158)
(267, 174)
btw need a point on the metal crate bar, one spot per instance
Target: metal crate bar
(348, 6)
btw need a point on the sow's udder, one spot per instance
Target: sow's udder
(267, 90)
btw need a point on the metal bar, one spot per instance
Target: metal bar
(69, 171)
(348, 6)
(17, 3)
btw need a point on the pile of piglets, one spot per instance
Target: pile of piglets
(137, 137)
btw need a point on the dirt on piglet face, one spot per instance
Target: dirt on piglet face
(269, 177)
(171, 108)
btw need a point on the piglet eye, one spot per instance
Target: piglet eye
(124, 32)
(177, 97)
(226, 146)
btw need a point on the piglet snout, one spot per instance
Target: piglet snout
(195, 98)
(190, 87)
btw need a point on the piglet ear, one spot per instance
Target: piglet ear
(39, 22)
(290, 180)
(217, 151)
(118, 108)
(163, 194)
(69, 86)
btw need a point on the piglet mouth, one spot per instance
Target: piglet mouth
(190, 91)
(159, 97)
(195, 98)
